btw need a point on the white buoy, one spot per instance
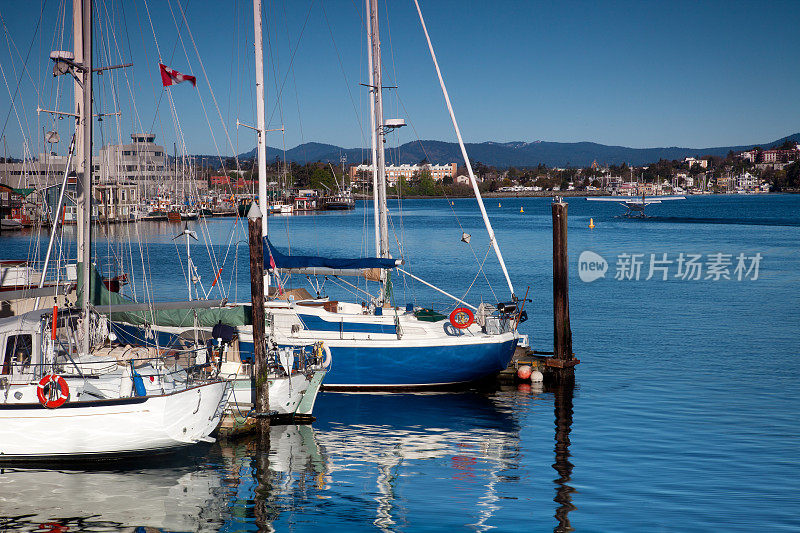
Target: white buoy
(536, 377)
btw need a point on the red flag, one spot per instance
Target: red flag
(173, 77)
(277, 276)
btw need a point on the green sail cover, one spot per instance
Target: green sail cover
(99, 295)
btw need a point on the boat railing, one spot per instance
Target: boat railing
(154, 372)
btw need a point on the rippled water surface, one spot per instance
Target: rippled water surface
(683, 417)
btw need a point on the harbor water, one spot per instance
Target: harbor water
(683, 417)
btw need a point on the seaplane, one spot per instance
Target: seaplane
(635, 205)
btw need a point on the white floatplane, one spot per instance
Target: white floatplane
(634, 204)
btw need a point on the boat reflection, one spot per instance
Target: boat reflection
(200, 490)
(370, 461)
(386, 444)
(177, 496)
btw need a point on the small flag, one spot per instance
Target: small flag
(173, 77)
(272, 267)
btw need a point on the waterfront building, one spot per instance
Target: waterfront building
(116, 202)
(363, 173)
(747, 181)
(629, 189)
(142, 162)
(37, 173)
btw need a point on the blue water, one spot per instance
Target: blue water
(683, 417)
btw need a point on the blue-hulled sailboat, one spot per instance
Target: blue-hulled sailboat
(376, 345)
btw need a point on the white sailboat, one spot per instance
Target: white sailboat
(67, 390)
(296, 369)
(379, 345)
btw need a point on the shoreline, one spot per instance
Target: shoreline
(569, 194)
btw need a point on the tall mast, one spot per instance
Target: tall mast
(372, 136)
(84, 185)
(77, 49)
(378, 129)
(261, 118)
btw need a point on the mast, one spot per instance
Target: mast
(261, 118)
(77, 50)
(378, 129)
(372, 137)
(84, 185)
(261, 127)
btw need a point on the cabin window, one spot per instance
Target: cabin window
(18, 351)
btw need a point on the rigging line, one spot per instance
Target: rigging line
(171, 57)
(297, 102)
(26, 155)
(152, 28)
(9, 42)
(118, 122)
(489, 249)
(210, 88)
(130, 48)
(449, 204)
(24, 63)
(344, 75)
(484, 215)
(291, 61)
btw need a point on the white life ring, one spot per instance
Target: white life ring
(322, 348)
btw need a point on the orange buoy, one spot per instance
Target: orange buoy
(591, 223)
(521, 210)
(524, 372)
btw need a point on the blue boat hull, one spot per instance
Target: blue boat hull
(363, 366)
(356, 366)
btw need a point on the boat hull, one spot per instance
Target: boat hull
(383, 366)
(393, 364)
(110, 427)
(288, 396)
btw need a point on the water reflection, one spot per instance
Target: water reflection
(206, 488)
(176, 496)
(447, 449)
(562, 399)
(385, 462)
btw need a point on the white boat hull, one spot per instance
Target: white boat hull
(288, 396)
(110, 427)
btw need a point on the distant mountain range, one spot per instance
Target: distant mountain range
(518, 154)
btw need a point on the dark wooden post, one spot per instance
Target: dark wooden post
(260, 384)
(563, 359)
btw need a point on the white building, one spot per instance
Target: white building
(47, 169)
(395, 172)
(703, 163)
(142, 161)
(747, 181)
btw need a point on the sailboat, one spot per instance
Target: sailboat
(68, 389)
(296, 369)
(377, 345)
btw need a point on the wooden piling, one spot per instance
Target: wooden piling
(260, 383)
(563, 361)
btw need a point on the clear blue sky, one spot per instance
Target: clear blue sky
(639, 74)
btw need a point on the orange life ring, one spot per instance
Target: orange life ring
(461, 318)
(45, 395)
